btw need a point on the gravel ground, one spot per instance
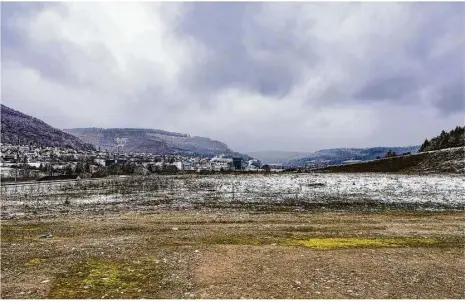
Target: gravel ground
(226, 253)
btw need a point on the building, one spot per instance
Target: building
(100, 161)
(109, 162)
(187, 166)
(178, 165)
(255, 162)
(276, 167)
(219, 163)
(237, 163)
(253, 165)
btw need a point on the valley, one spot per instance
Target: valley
(310, 235)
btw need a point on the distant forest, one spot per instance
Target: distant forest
(453, 138)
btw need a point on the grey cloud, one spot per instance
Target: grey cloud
(51, 61)
(263, 62)
(56, 60)
(451, 99)
(223, 29)
(432, 58)
(391, 88)
(431, 21)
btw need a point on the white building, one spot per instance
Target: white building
(219, 163)
(187, 166)
(100, 161)
(178, 165)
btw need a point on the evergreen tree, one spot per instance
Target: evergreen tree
(68, 170)
(425, 146)
(79, 169)
(390, 153)
(453, 138)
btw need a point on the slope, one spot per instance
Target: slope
(30, 130)
(449, 160)
(340, 155)
(453, 138)
(276, 157)
(150, 141)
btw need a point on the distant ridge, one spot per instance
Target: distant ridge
(151, 141)
(277, 157)
(337, 156)
(31, 130)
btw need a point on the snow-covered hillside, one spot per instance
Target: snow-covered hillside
(340, 155)
(276, 157)
(150, 141)
(30, 130)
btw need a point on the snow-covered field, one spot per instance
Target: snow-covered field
(420, 191)
(388, 188)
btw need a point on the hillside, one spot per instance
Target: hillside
(276, 157)
(449, 160)
(338, 156)
(31, 130)
(451, 139)
(150, 141)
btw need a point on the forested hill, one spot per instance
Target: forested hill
(30, 130)
(151, 141)
(340, 155)
(451, 139)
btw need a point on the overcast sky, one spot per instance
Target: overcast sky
(257, 76)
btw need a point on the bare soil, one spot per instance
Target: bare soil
(225, 253)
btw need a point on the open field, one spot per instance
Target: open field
(299, 192)
(234, 236)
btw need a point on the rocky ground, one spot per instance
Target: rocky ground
(235, 253)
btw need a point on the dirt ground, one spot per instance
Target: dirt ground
(235, 254)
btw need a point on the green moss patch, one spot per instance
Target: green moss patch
(99, 278)
(331, 243)
(242, 240)
(237, 240)
(357, 242)
(15, 238)
(34, 261)
(13, 232)
(10, 227)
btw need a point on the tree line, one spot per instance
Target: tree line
(451, 139)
